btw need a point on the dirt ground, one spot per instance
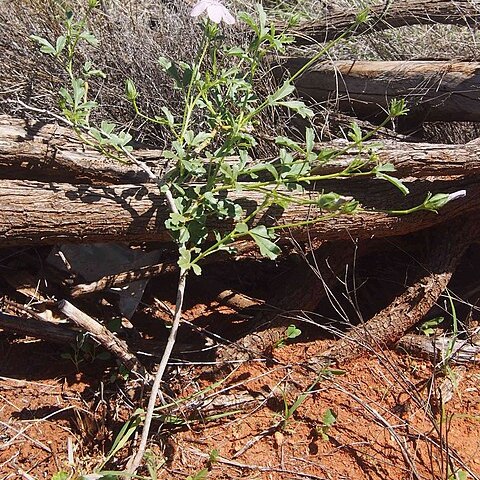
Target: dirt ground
(378, 419)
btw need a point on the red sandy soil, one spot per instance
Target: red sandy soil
(385, 427)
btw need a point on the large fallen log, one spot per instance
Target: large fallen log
(41, 213)
(434, 90)
(387, 15)
(49, 153)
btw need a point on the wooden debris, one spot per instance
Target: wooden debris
(122, 279)
(62, 213)
(433, 90)
(442, 349)
(387, 15)
(387, 327)
(102, 335)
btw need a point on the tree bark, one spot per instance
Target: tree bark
(434, 90)
(49, 153)
(397, 14)
(449, 242)
(102, 335)
(40, 213)
(444, 349)
(306, 285)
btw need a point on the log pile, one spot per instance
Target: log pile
(93, 204)
(55, 190)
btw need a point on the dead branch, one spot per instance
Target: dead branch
(417, 160)
(49, 153)
(122, 279)
(434, 90)
(396, 14)
(56, 333)
(445, 349)
(306, 285)
(388, 326)
(102, 335)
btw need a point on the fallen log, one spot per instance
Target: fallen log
(434, 90)
(49, 153)
(40, 213)
(381, 17)
(303, 290)
(387, 327)
(442, 350)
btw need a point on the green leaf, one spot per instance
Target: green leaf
(241, 228)
(107, 127)
(385, 167)
(89, 38)
(171, 69)
(288, 142)
(78, 86)
(248, 19)
(123, 436)
(355, 133)
(362, 16)
(213, 457)
(459, 475)
(394, 181)
(262, 18)
(333, 201)
(60, 476)
(329, 418)
(429, 327)
(200, 138)
(197, 270)
(309, 139)
(169, 116)
(292, 332)
(45, 45)
(200, 475)
(286, 89)
(236, 52)
(60, 45)
(261, 236)
(185, 258)
(298, 107)
(397, 107)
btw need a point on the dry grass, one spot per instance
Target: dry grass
(133, 34)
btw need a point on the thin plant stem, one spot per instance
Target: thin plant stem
(137, 460)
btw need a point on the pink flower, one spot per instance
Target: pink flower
(216, 11)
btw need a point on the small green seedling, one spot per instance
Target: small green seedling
(458, 475)
(200, 475)
(429, 327)
(290, 333)
(328, 420)
(60, 476)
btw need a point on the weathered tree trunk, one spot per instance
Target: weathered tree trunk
(41, 213)
(449, 242)
(434, 90)
(49, 153)
(382, 17)
(34, 212)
